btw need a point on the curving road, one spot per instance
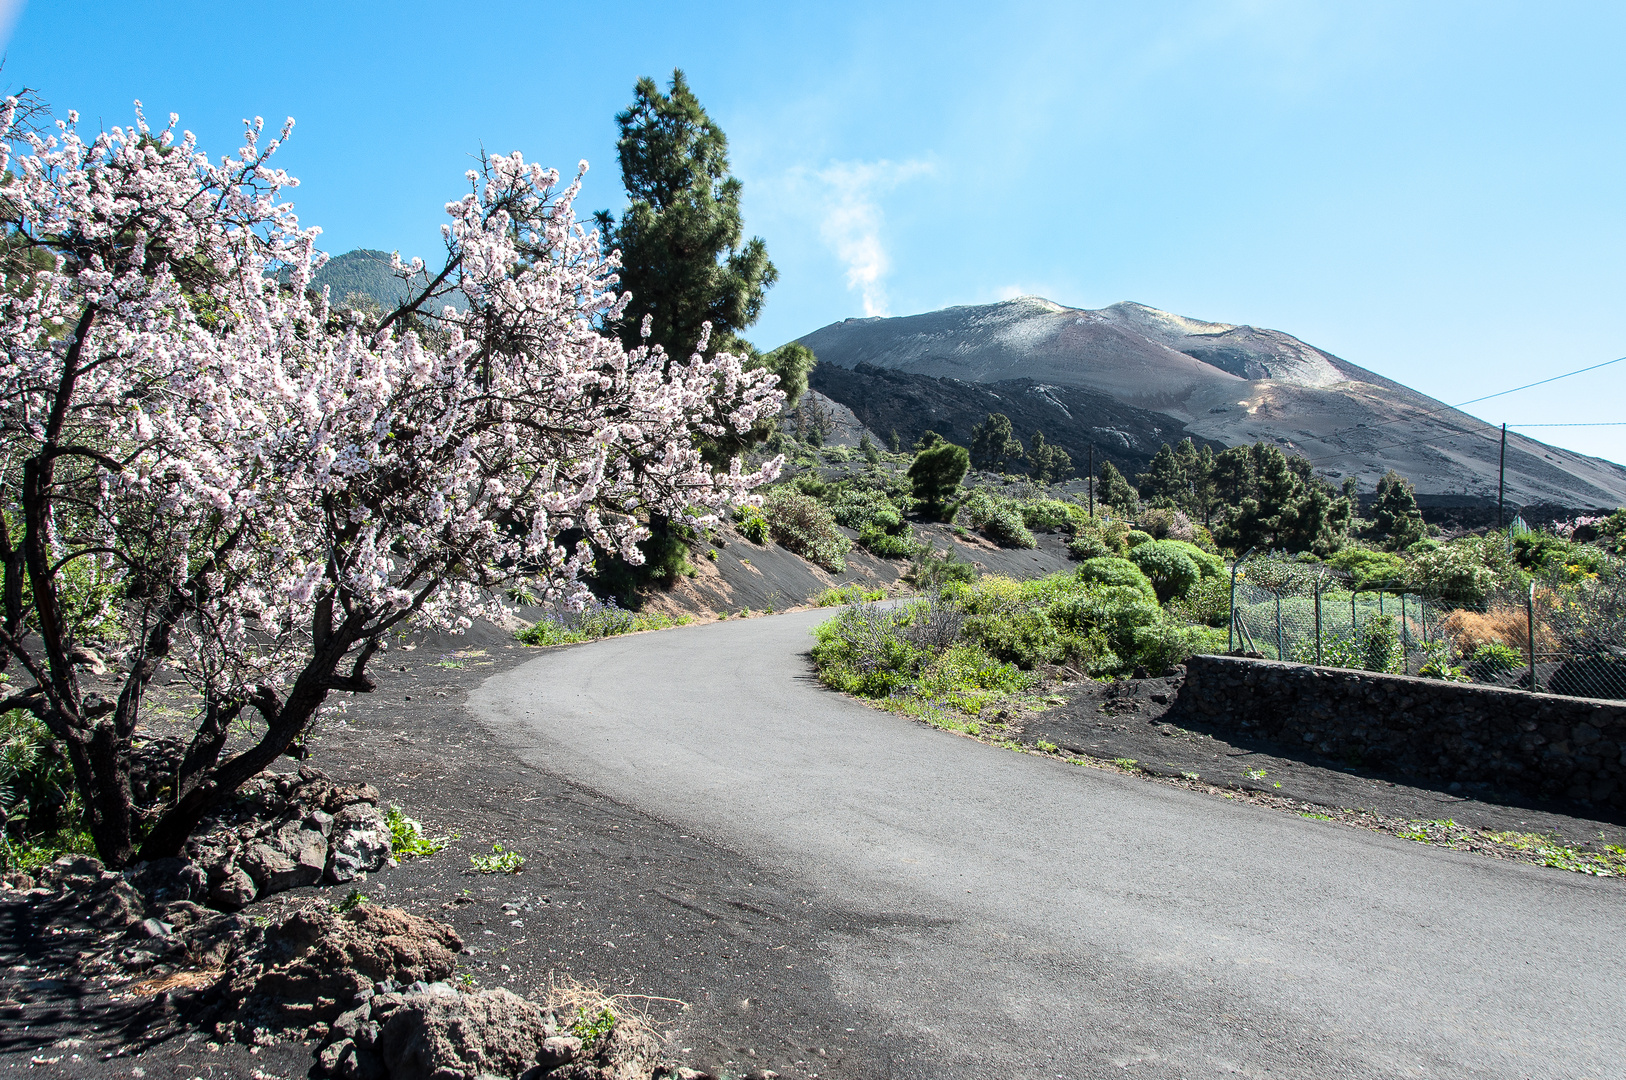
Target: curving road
(1038, 919)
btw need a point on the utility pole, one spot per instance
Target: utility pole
(1092, 480)
(1501, 479)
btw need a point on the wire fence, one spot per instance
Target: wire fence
(1559, 636)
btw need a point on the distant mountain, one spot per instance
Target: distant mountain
(367, 272)
(1218, 381)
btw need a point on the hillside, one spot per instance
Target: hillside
(1217, 381)
(367, 272)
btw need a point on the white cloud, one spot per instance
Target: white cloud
(852, 220)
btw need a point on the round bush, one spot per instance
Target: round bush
(1004, 527)
(1171, 571)
(1136, 538)
(802, 525)
(1087, 545)
(1107, 570)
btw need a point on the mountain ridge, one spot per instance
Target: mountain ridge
(1230, 383)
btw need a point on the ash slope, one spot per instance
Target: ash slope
(1231, 384)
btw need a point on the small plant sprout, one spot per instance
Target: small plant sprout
(407, 839)
(351, 902)
(1126, 763)
(1191, 776)
(591, 1028)
(1257, 774)
(499, 861)
(1046, 747)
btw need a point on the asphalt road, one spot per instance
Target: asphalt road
(1034, 918)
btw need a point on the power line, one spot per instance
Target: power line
(1487, 397)
(1473, 401)
(1543, 382)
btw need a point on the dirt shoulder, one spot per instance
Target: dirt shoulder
(1135, 722)
(724, 957)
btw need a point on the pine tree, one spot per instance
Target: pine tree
(993, 443)
(681, 237)
(936, 472)
(1395, 517)
(1114, 491)
(1049, 463)
(1164, 481)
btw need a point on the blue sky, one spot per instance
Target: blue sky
(1431, 191)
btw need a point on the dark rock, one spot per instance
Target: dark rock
(164, 880)
(315, 963)
(360, 842)
(452, 1036)
(233, 890)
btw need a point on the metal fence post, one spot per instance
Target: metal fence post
(1318, 623)
(1278, 626)
(1230, 629)
(1405, 633)
(1530, 628)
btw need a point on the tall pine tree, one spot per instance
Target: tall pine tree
(683, 253)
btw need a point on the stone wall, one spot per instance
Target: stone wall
(1537, 745)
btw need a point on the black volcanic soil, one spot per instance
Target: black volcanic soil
(1138, 720)
(727, 954)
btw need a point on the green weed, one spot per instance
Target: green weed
(407, 839)
(499, 861)
(353, 900)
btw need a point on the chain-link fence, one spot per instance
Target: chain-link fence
(1565, 634)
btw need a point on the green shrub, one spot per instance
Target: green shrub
(803, 526)
(1025, 638)
(862, 507)
(1004, 527)
(1378, 644)
(1135, 538)
(1367, 568)
(1538, 550)
(1088, 545)
(931, 571)
(38, 799)
(1494, 659)
(1161, 645)
(1113, 571)
(1172, 572)
(861, 651)
(1208, 604)
(1208, 563)
(967, 679)
(753, 524)
(1452, 572)
(878, 541)
(853, 593)
(598, 619)
(1052, 514)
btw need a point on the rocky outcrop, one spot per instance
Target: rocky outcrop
(285, 831)
(309, 967)
(434, 1032)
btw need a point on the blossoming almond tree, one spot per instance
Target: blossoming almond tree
(219, 473)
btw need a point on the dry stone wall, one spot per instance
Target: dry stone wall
(1536, 745)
